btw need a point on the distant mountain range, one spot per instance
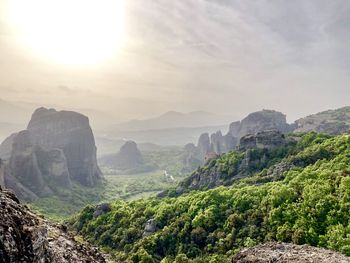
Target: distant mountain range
(174, 119)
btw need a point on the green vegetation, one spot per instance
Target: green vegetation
(309, 205)
(126, 187)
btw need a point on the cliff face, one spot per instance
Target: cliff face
(24, 237)
(254, 123)
(252, 155)
(56, 149)
(70, 132)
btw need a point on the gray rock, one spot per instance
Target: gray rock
(150, 228)
(102, 209)
(70, 132)
(262, 140)
(24, 237)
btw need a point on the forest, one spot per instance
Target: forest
(308, 205)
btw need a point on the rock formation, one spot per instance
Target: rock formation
(56, 149)
(70, 132)
(24, 237)
(331, 122)
(150, 228)
(252, 155)
(252, 124)
(262, 140)
(128, 160)
(288, 253)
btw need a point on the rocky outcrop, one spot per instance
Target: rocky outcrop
(252, 155)
(24, 237)
(70, 132)
(288, 253)
(203, 145)
(150, 228)
(128, 160)
(129, 156)
(262, 140)
(262, 121)
(331, 122)
(102, 209)
(6, 147)
(56, 149)
(190, 158)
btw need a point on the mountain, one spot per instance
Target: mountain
(162, 137)
(57, 148)
(173, 119)
(298, 194)
(26, 237)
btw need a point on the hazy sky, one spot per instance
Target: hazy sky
(222, 56)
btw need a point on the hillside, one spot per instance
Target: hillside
(307, 204)
(330, 121)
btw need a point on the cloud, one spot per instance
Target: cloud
(230, 56)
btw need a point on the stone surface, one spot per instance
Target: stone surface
(57, 148)
(150, 228)
(288, 253)
(70, 132)
(102, 209)
(331, 122)
(262, 140)
(24, 237)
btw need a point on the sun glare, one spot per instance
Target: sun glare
(71, 32)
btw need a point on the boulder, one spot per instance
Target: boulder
(102, 209)
(150, 228)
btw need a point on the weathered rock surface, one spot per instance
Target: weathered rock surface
(102, 209)
(24, 237)
(262, 140)
(56, 149)
(253, 155)
(70, 132)
(254, 123)
(288, 253)
(331, 122)
(150, 228)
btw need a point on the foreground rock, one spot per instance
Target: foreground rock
(24, 237)
(288, 253)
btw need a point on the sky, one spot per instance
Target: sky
(223, 56)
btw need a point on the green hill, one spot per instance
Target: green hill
(307, 204)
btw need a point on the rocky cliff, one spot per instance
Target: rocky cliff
(25, 237)
(70, 132)
(252, 124)
(56, 149)
(253, 154)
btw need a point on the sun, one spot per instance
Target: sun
(70, 32)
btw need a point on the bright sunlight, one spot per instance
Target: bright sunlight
(70, 32)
